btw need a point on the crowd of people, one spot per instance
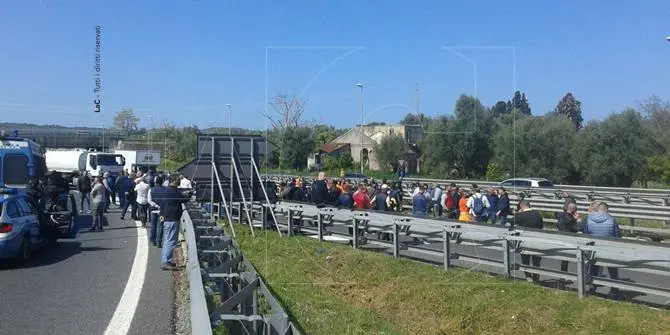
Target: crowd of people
(151, 197)
(472, 205)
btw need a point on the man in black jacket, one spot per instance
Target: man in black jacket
(503, 206)
(569, 222)
(526, 217)
(170, 202)
(84, 186)
(319, 192)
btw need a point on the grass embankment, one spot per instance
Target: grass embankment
(333, 289)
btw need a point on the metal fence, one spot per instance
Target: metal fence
(642, 196)
(225, 290)
(552, 202)
(640, 270)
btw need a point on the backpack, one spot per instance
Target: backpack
(478, 205)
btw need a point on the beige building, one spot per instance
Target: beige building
(364, 146)
(413, 134)
(361, 146)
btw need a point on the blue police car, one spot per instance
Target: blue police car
(20, 230)
(26, 221)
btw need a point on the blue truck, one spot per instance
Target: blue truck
(30, 217)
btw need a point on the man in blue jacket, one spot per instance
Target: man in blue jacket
(601, 223)
(170, 202)
(420, 203)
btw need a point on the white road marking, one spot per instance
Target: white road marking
(125, 310)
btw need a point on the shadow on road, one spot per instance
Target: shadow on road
(52, 255)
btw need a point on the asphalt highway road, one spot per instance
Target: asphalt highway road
(76, 286)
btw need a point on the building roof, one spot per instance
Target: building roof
(332, 147)
(353, 136)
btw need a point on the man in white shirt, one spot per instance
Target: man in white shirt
(185, 183)
(478, 205)
(142, 191)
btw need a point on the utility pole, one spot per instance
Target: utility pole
(361, 128)
(230, 117)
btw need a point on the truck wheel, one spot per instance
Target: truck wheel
(26, 250)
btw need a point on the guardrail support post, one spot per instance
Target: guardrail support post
(319, 222)
(626, 200)
(506, 258)
(446, 249)
(666, 203)
(254, 310)
(396, 242)
(264, 213)
(240, 210)
(290, 222)
(354, 241)
(581, 273)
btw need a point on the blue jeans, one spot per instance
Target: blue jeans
(419, 214)
(438, 207)
(156, 236)
(493, 217)
(85, 197)
(170, 235)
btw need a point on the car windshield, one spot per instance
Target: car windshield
(110, 160)
(15, 170)
(545, 183)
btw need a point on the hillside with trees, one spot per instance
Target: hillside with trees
(472, 141)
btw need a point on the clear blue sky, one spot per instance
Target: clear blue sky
(182, 61)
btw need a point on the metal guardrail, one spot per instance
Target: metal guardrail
(550, 201)
(225, 289)
(657, 197)
(647, 265)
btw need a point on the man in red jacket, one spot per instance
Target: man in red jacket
(361, 198)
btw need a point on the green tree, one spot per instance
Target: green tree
(494, 172)
(538, 146)
(461, 143)
(391, 149)
(499, 109)
(323, 135)
(520, 102)
(345, 161)
(656, 122)
(296, 144)
(659, 166)
(612, 152)
(572, 109)
(414, 119)
(126, 120)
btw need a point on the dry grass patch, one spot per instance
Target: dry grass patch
(334, 289)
